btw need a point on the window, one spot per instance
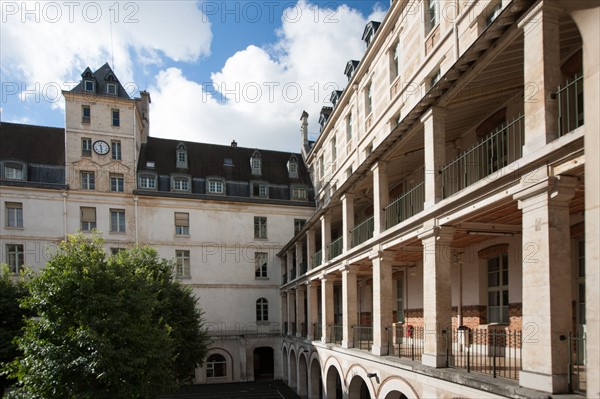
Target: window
(260, 190)
(432, 14)
(182, 263)
(298, 225)
(86, 114)
(333, 149)
(117, 183)
(216, 366)
(216, 187)
(117, 221)
(498, 289)
(181, 184)
(182, 223)
(400, 298)
(88, 181)
(256, 163)
(15, 257)
(89, 86)
(349, 128)
(86, 147)
(491, 17)
(299, 193)
(147, 182)
(260, 265)
(116, 149)
(293, 167)
(369, 99)
(260, 227)
(262, 310)
(111, 89)
(13, 171)
(88, 218)
(435, 78)
(321, 167)
(14, 214)
(115, 250)
(116, 117)
(395, 61)
(182, 158)
(581, 282)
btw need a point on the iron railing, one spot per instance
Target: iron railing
(285, 328)
(577, 377)
(336, 333)
(409, 341)
(317, 331)
(363, 232)
(570, 105)
(405, 206)
(293, 273)
(499, 149)
(363, 337)
(494, 352)
(303, 268)
(317, 258)
(336, 247)
(284, 278)
(303, 330)
(292, 326)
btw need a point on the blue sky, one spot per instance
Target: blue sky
(216, 71)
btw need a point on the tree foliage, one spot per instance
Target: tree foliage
(107, 327)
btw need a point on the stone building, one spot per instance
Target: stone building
(221, 213)
(454, 248)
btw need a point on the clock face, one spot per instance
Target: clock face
(101, 147)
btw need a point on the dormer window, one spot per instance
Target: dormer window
(215, 186)
(111, 89)
(150, 164)
(180, 183)
(14, 171)
(369, 32)
(182, 157)
(351, 66)
(299, 193)
(256, 163)
(292, 166)
(89, 86)
(260, 189)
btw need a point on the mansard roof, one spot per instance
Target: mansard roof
(32, 144)
(103, 76)
(208, 160)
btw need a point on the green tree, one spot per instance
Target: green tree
(11, 318)
(107, 327)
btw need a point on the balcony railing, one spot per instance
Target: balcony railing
(495, 352)
(317, 332)
(284, 278)
(405, 206)
(363, 337)
(303, 268)
(409, 341)
(363, 232)
(317, 258)
(500, 148)
(336, 332)
(336, 247)
(303, 330)
(293, 273)
(570, 105)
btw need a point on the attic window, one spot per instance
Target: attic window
(111, 89)
(256, 163)
(182, 158)
(292, 166)
(89, 85)
(228, 162)
(150, 164)
(14, 171)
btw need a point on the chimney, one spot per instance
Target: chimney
(304, 129)
(234, 144)
(143, 108)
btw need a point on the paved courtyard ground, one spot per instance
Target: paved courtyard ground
(242, 390)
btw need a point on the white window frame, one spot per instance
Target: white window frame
(117, 183)
(260, 227)
(216, 186)
(144, 180)
(182, 263)
(115, 121)
(181, 183)
(211, 370)
(262, 309)
(15, 257)
(299, 193)
(92, 88)
(112, 86)
(293, 168)
(499, 289)
(118, 221)
(116, 153)
(14, 215)
(256, 164)
(86, 147)
(86, 118)
(261, 261)
(182, 223)
(88, 180)
(87, 224)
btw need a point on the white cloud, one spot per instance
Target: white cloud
(51, 43)
(267, 88)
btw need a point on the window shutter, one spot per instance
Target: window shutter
(182, 219)
(88, 214)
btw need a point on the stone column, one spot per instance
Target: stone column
(299, 258)
(310, 248)
(347, 219)
(383, 301)
(434, 125)
(325, 236)
(541, 75)
(312, 302)
(300, 316)
(437, 293)
(349, 308)
(381, 196)
(291, 305)
(290, 264)
(326, 306)
(546, 283)
(243, 362)
(284, 312)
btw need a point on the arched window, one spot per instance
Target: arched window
(293, 167)
(256, 164)
(216, 366)
(262, 310)
(182, 158)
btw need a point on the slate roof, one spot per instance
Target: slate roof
(32, 144)
(208, 160)
(102, 77)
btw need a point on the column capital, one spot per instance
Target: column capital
(443, 234)
(530, 16)
(385, 256)
(379, 165)
(347, 196)
(556, 189)
(347, 268)
(437, 112)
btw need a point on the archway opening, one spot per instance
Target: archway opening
(284, 361)
(264, 363)
(302, 375)
(334, 384)
(395, 395)
(293, 370)
(316, 382)
(358, 389)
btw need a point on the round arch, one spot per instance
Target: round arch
(315, 381)
(284, 362)
(293, 369)
(359, 384)
(302, 388)
(334, 383)
(213, 372)
(395, 387)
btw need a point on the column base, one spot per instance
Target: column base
(379, 350)
(310, 338)
(432, 360)
(554, 383)
(347, 344)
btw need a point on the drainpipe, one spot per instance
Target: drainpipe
(135, 204)
(459, 311)
(455, 35)
(64, 195)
